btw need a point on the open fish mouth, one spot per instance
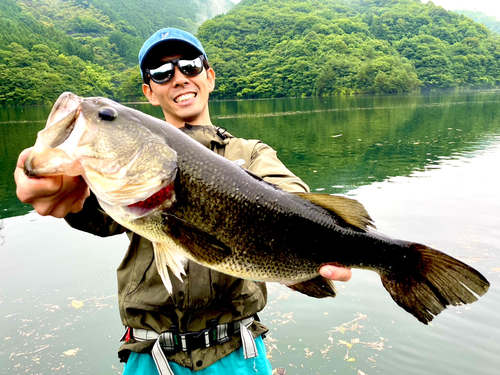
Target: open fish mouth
(62, 120)
(50, 155)
(57, 133)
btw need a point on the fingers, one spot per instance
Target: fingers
(335, 273)
(55, 196)
(68, 199)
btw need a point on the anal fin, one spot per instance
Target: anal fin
(319, 287)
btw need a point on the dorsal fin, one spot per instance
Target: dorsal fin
(349, 210)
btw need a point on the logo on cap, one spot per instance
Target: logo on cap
(164, 36)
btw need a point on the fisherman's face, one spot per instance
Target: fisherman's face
(183, 99)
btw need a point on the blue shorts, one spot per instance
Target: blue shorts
(234, 363)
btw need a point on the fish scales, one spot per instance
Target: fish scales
(224, 205)
(193, 204)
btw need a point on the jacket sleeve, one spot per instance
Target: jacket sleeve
(262, 160)
(265, 163)
(92, 219)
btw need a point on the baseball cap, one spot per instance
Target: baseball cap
(169, 34)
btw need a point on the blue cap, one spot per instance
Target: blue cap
(169, 35)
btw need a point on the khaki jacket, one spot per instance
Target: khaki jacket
(204, 294)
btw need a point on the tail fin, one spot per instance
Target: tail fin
(436, 281)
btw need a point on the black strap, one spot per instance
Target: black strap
(221, 133)
(189, 341)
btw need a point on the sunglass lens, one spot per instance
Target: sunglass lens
(191, 67)
(162, 74)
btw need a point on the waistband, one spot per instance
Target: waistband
(172, 341)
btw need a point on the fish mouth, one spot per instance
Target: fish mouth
(60, 125)
(65, 105)
(58, 132)
(184, 97)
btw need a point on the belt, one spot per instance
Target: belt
(171, 342)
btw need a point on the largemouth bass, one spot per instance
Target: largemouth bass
(193, 204)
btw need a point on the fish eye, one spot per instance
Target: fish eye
(108, 114)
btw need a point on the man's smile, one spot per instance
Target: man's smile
(184, 97)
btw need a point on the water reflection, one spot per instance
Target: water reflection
(351, 142)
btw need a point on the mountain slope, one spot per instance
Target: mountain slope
(86, 46)
(277, 48)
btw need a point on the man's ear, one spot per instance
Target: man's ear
(211, 79)
(146, 89)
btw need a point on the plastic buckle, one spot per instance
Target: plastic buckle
(221, 133)
(175, 345)
(196, 340)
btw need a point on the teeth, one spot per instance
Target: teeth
(183, 98)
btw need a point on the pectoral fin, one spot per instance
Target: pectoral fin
(347, 209)
(201, 246)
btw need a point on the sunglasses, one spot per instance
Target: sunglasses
(188, 67)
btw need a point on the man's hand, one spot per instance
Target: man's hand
(55, 196)
(335, 273)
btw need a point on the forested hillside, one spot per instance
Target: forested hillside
(86, 46)
(259, 49)
(279, 48)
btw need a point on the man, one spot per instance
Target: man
(208, 324)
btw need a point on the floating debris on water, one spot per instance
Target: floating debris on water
(77, 304)
(352, 341)
(34, 341)
(71, 352)
(308, 352)
(279, 371)
(288, 318)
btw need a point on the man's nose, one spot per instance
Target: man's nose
(179, 78)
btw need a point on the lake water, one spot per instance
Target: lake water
(426, 167)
